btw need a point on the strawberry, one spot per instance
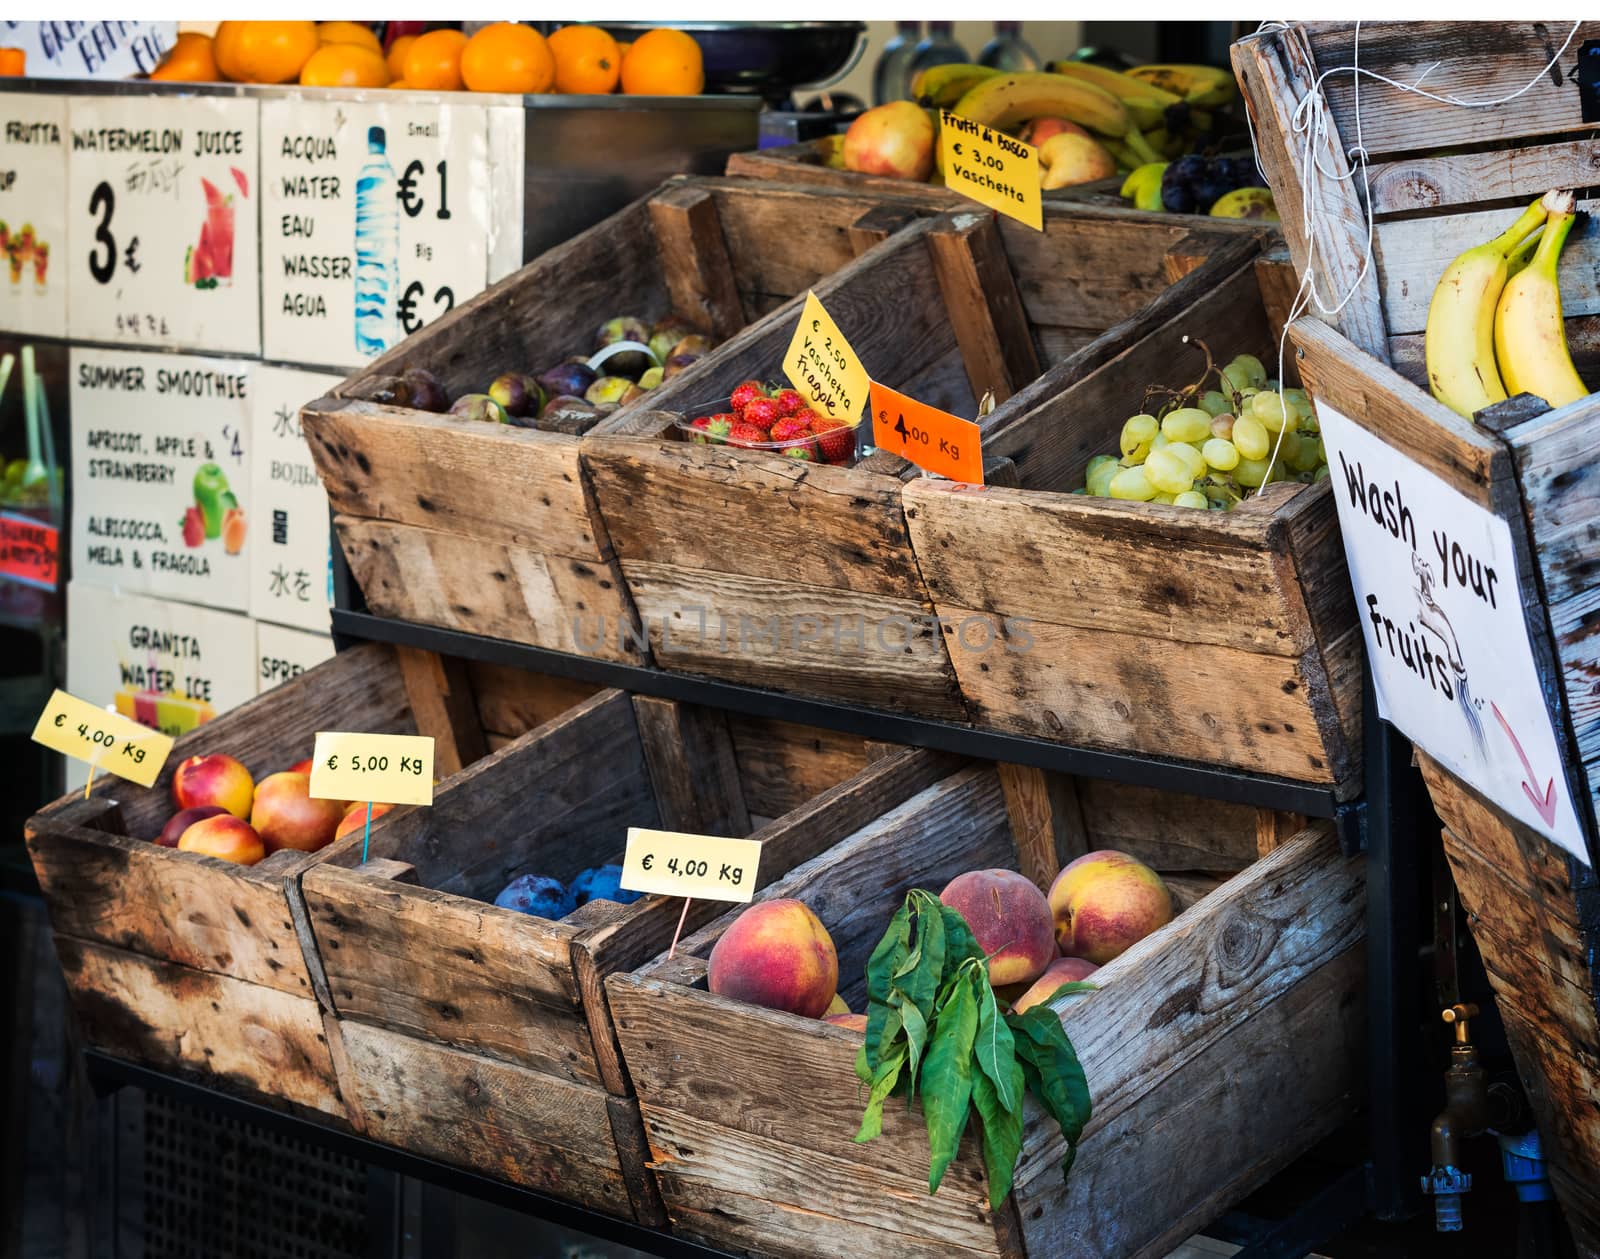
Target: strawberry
(804, 453)
(789, 402)
(745, 394)
(701, 425)
(788, 429)
(835, 441)
(762, 412)
(743, 434)
(194, 527)
(719, 426)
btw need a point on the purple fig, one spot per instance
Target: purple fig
(478, 406)
(629, 363)
(652, 378)
(630, 395)
(519, 394)
(567, 378)
(661, 343)
(389, 391)
(427, 390)
(680, 363)
(694, 343)
(608, 389)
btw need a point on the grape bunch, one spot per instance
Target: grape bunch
(1211, 447)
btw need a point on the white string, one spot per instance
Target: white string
(1310, 122)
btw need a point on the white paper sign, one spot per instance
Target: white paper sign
(282, 654)
(162, 238)
(161, 472)
(1435, 579)
(89, 50)
(33, 214)
(375, 221)
(291, 570)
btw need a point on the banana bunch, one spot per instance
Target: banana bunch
(1494, 324)
(1006, 101)
(1206, 87)
(1143, 186)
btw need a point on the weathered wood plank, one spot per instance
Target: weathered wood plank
(512, 701)
(1438, 181)
(782, 765)
(1556, 459)
(1047, 825)
(981, 296)
(877, 225)
(692, 766)
(440, 694)
(465, 582)
(695, 260)
(1167, 830)
(244, 1036)
(524, 1127)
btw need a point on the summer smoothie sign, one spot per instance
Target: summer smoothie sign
(375, 221)
(161, 222)
(33, 214)
(1437, 594)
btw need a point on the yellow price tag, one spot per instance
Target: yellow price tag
(822, 367)
(385, 768)
(704, 867)
(992, 168)
(108, 741)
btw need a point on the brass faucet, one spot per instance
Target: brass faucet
(1465, 1114)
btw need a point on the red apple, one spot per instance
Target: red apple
(182, 820)
(215, 779)
(896, 139)
(287, 817)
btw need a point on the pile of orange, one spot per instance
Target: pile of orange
(501, 57)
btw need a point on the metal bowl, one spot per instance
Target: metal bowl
(769, 59)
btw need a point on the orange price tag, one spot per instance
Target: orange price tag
(29, 550)
(934, 440)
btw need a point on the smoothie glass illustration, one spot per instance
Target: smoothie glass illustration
(41, 264)
(14, 261)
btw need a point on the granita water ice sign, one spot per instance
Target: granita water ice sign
(1435, 578)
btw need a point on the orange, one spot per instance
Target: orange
(264, 52)
(13, 61)
(188, 61)
(400, 85)
(397, 55)
(663, 62)
(349, 33)
(344, 65)
(507, 57)
(434, 61)
(588, 62)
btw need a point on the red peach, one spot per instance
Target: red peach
(356, 818)
(226, 837)
(778, 955)
(1065, 970)
(855, 1022)
(288, 817)
(1010, 919)
(182, 820)
(1105, 902)
(215, 779)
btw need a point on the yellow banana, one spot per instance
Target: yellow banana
(1530, 341)
(1005, 101)
(1460, 339)
(942, 86)
(1522, 255)
(1145, 103)
(1207, 86)
(1143, 186)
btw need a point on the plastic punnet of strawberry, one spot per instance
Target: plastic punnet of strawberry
(772, 420)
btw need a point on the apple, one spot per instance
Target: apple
(215, 779)
(896, 140)
(182, 820)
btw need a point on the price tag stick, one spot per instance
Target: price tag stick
(682, 918)
(366, 834)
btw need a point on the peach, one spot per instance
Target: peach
(182, 820)
(778, 955)
(355, 821)
(287, 817)
(896, 140)
(301, 767)
(855, 1022)
(1068, 159)
(226, 837)
(215, 779)
(1105, 902)
(1038, 130)
(836, 1006)
(1010, 919)
(1064, 970)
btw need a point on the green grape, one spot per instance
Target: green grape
(1159, 441)
(1221, 454)
(1168, 471)
(1220, 492)
(1250, 436)
(1238, 378)
(1256, 374)
(1305, 455)
(1137, 434)
(1132, 483)
(1164, 498)
(1214, 403)
(1099, 479)
(1269, 409)
(1309, 422)
(1192, 458)
(1272, 387)
(1191, 498)
(1251, 473)
(1187, 424)
(1321, 473)
(1097, 462)
(1222, 426)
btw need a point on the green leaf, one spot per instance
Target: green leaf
(1063, 1089)
(960, 943)
(916, 1038)
(995, 1050)
(883, 1081)
(947, 1077)
(922, 984)
(883, 1020)
(1068, 990)
(1002, 1127)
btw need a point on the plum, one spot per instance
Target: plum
(602, 883)
(427, 390)
(536, 894)
(568, 378)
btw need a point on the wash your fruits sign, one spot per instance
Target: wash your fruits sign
(1437, 594)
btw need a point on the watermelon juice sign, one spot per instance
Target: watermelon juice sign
(1435, 578)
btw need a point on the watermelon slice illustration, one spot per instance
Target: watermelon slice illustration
(211, 259)
(240, 178)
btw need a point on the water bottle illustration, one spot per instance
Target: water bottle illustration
(377, 249)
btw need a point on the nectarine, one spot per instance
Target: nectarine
(215, 779)
(224, 836)
(855, 1022)
(1105, 902)
(182, 820)
(777, 954)
(1010, 919)
(356, 819)
(1064, 970)
(287, 817)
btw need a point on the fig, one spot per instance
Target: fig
(695, 343)
(478, 406)
(680, 363)
(629, 363)
(566, 414)
(630, 395)
(608, 389)
(661, 343)
(518, 393)
(427, 390)
(390, 391)
(652, 378)
(567, 378)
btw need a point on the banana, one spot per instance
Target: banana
(942, 86)
(1143, 186)
(1145, 103)
(1522, 255)
(1246, 203)
(1005, 101)
(1530, 341)
(1460, 338)
(1207, 86)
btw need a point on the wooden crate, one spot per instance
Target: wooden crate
(480, 1036)
(494, 529)
(189, 963)
(1444, 178)
(790, 560)
(1236, 1030)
